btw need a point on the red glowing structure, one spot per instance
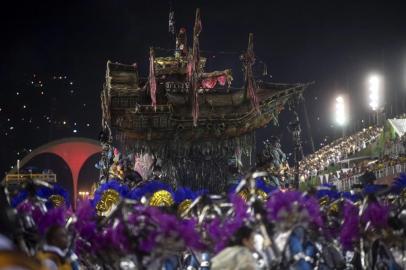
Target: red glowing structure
(74, 151)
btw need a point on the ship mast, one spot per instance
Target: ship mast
(194, 68)
(248, 59)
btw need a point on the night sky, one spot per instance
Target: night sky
(54, 54)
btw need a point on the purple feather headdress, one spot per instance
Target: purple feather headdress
(112, 238)
(94, 240)
(377, 214)
(53, 217)
(221, 231)
(90, 239)
(291, 204)
(349, 233)
(152, 228)
(86, 225)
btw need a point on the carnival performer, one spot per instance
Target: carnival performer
(54, 251)
(238, 255)
(10, 257)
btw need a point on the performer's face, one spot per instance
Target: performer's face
(60, 238)
(249, 242)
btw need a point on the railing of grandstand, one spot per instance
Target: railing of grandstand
(346, 183)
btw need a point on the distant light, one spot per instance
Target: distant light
(11, 128)
(75, 131)
(17, 93)
(340, 111)
(64, 122)
(24, 106)
(374, 79)
(375, 91)
(88, 125)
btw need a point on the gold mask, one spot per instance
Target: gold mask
(57, 200)
(184, 205)
(110, 197)
(245, 193)
(161, 198)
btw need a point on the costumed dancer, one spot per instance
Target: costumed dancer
(238, 254)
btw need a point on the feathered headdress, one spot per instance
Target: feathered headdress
(327, 193)
(56, 196)
(86, 227)
(293, 207)
(399, 185)
(53, 217)
(184, 197)
(221, 231)
(152, 229)
(160, 193)
(349, 233)
(352, 196)
(262, 190)
(373, 189)
(21, 196)
(108, 195)
(376, 215)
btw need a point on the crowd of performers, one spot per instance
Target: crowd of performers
(252, 226)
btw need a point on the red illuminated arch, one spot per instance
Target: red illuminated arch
(74, 151)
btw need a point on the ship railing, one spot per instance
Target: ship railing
(164, 108)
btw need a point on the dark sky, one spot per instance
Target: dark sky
(334, 43)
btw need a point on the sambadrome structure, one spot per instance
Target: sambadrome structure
(192, 120)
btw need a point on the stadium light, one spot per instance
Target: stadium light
(340, 111)
(375, 91)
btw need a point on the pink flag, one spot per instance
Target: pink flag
(222, 79)
(209, 83)
(152, 79)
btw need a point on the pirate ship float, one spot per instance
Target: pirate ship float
(192, 120)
